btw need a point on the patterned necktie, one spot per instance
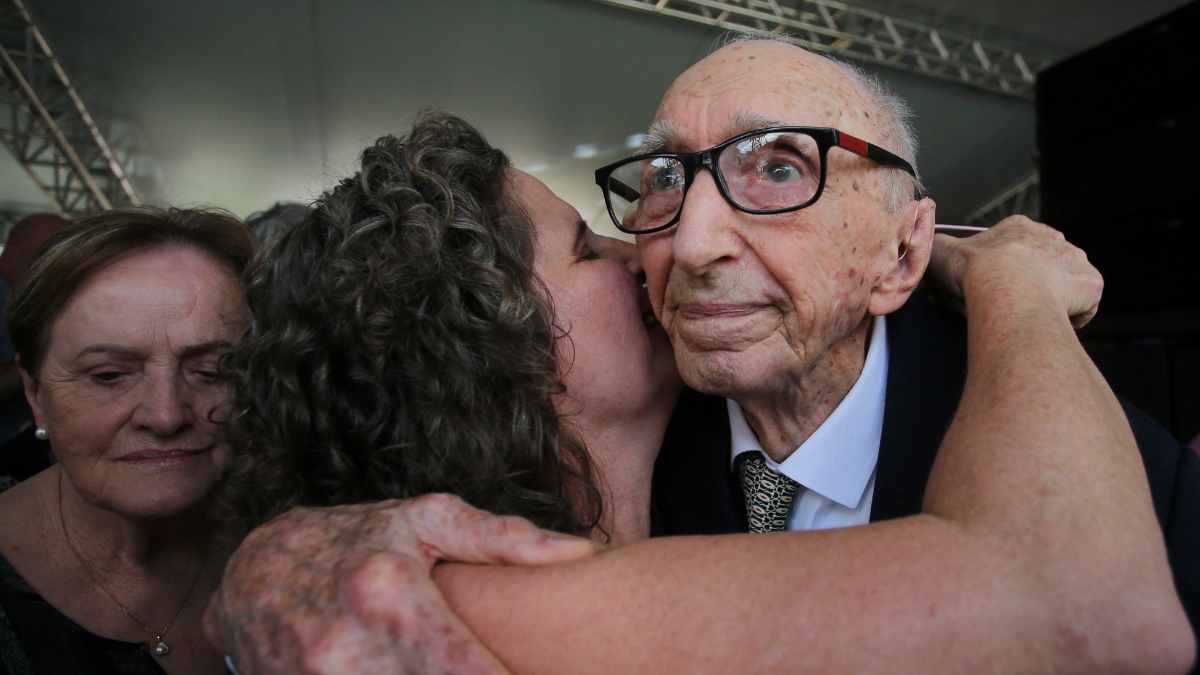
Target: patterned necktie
(769, 495)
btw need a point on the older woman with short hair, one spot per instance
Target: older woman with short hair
(109, 556)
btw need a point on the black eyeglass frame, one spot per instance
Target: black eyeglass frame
(826, 138)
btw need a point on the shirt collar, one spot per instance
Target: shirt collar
(838, 459)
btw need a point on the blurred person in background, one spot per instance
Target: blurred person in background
(267, 225)
(107, 558)
(20, 455)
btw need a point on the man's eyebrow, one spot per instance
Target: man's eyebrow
(662, 135)
(659, 137)
(748, 121)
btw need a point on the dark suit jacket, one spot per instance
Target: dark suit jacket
(696, 493)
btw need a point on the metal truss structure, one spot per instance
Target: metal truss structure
(1023, 198)
(850, 32)
(46, 126)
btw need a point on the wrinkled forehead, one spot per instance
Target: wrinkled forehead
(749, 84)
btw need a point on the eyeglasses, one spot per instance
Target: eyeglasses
(773, 170)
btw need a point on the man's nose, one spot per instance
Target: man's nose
(705, 232)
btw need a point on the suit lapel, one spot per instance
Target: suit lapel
(927, 366)
(694, 489)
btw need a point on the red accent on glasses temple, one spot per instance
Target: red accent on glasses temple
(856, 145)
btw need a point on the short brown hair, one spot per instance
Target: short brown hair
(91, 244)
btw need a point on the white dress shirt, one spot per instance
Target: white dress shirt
(835, 467)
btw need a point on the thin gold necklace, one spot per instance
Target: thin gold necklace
(158, 646)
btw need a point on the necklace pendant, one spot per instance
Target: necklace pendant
(161, 648)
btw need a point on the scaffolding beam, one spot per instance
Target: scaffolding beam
(47, 127)
(1023, 198)
(850, 32)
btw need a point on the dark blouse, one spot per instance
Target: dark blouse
(37, 639)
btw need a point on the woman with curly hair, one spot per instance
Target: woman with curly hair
(408, 336)
(443, 323)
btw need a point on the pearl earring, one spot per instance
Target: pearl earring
(40, 434)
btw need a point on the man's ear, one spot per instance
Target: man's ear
(912, 250)
(31, 392)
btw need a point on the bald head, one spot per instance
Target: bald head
(783, 67)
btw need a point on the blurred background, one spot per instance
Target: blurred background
(242, 104)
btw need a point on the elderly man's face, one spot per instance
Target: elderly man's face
(753, 302)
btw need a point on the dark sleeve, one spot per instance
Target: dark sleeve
(13, 660)
(1174, 474)
(1183, 535)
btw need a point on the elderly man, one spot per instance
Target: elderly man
(772, 252)
(772, 258)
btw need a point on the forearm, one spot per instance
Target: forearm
(1016, 567)
(1036, 419)
(910, 595)
(1040, 463)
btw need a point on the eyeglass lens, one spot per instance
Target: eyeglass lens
(773, 170)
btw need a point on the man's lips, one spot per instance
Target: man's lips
(162, 454)
(720, 326)
(715, 310)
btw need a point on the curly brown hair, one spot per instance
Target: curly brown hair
(401, 344)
